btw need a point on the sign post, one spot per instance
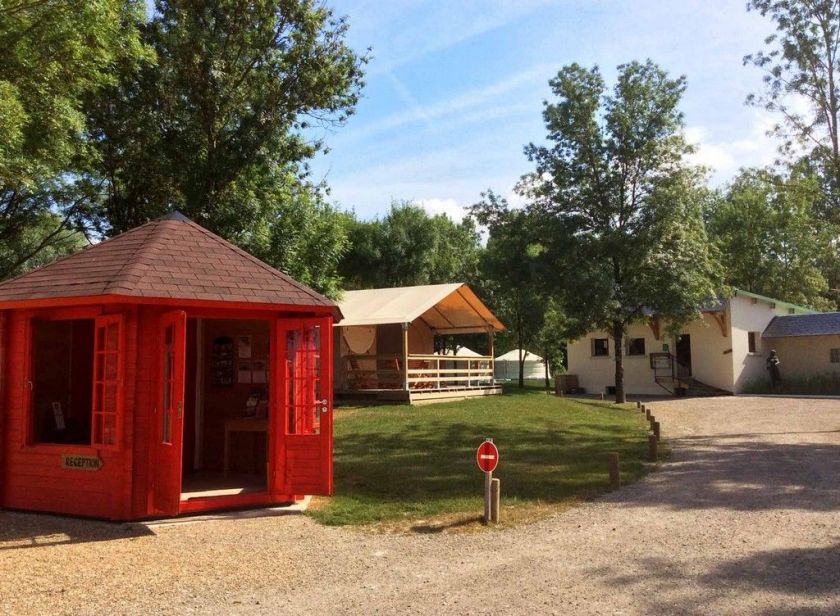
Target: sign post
(487, 458)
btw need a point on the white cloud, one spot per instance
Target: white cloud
(725, 156)
(450, 207)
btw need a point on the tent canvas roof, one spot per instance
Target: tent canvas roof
(513, 355)
(445, 308)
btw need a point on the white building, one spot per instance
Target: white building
(724, 349)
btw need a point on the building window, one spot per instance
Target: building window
(752, 342)
(600, 347)
(75, 381)
(635, 346)
(835, 356)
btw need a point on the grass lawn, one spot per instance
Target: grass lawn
(415, 466)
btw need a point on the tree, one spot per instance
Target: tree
(510, 279)
(226, 108)
(769, 238)
(551, 338)
(409, 247)
(801, 63)
(306, 237)
(53, 56)
(618, 208)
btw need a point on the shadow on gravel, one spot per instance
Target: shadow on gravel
(32, 530)
(744, 476)
(799, 571)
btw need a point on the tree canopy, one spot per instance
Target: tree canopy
(54, 56)
(770, 240)
(620, 209)
(409, 247)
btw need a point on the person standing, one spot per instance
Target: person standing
(773, 362)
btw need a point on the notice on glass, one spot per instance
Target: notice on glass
(244, 372)
(244, 347)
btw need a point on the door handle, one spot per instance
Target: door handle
(324, 404)
(180, 409)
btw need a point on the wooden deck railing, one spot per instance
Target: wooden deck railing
(425, 372)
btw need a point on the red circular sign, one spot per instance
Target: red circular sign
(487, 456)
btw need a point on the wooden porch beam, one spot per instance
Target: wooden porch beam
(720, 319)
(655, 326)
(405, 327)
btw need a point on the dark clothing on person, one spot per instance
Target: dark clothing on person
(773, 368)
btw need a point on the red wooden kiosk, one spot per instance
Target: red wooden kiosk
(161, 372)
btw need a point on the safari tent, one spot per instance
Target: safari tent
(385, 345)
(160, 372)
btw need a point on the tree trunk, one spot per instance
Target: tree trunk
(618, 340)
(521, 367)
(547, 375)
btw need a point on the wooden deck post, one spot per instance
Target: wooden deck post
(405, 356)
(492, 355)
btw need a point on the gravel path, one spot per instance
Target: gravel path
(745, 519)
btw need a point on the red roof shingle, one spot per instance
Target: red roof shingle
(171, 257)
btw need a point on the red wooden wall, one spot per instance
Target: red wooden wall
(33, 477)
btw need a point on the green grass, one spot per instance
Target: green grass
(816, 385)
(398, 464)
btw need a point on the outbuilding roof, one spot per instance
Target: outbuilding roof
(793, 325)
(445, 308)
(171, 258)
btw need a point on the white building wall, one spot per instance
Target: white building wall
(711, 359)
(750, 316)
(595, 374)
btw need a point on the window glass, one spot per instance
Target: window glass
(752, 342)
(600, 347)
(636, 346)
(835, 356)
(62, 377)
(106, 381)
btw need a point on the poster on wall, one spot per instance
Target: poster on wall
(244, 373)
(244, 347)
(258, 371)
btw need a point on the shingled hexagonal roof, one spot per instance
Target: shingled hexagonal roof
(172, 258)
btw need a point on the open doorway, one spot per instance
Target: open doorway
(225, 447)
(684, 355)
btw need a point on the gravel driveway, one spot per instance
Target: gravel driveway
(745, 519)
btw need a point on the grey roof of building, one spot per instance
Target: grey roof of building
(817, 324)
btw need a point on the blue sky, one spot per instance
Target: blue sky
(455, 89)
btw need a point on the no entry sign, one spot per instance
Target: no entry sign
(487, 456)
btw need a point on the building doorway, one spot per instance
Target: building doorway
(683, 356)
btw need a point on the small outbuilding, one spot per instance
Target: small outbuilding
(385, 345)
(507, 365)
(160, 372)
(808, 344)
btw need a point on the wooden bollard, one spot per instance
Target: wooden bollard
(647, 413)
(615, 472)
(656, 429)
(638, 404)
(495, 499)
(653, 454)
